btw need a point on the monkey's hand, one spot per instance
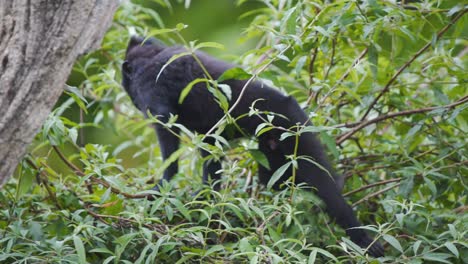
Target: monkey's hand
(360, 237)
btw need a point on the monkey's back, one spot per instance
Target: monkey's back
(199, 110)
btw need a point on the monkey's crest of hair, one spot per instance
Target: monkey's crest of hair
(134, 50)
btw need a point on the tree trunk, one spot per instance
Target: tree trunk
(39, 42)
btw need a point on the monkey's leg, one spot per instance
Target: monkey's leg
(168, 143)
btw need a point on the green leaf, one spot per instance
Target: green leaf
(188, 88)
(312, 256)
(25, 181)
(220, 97)
(226, 89)
(324, 253)
(455, 9)
(123, 241)
(174, 156)
(277, 175)
(73, 134)
(353, 246)
(288, 23)
(102, 250)
(260, 158)
(322, 31)
(453, 231)
(172, 59)
(373, 57)
(437, 257)
(79, 99)
(182, 209)
(156, 32)
(260, 127)
(413, 130)
(351, 92)
(209, 45)
(406, 186)
(300, 64)
(169, 212)
(330, 143)
(393, 242)
(214, 249)
(245, 246)
(80, 250)
(143, 254)
(181, 26)
(416, 246)
(234, 74)
(430, 184)
(450, 246)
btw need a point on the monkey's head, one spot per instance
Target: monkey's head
(140, 52)
(137, 68)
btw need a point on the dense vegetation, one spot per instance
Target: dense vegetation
(385, 83)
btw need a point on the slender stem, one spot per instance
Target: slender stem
(371, 185)
(296, 144)
(367, 197)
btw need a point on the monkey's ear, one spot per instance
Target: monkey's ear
(126, 67)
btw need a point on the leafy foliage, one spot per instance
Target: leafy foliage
(385, 82)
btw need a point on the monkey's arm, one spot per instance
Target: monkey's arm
(168, 143)
(167, 137)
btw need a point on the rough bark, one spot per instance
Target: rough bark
(39, 41)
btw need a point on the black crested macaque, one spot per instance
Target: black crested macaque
(155, 87)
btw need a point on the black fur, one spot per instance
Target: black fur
(200, 112)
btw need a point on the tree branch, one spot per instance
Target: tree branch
(367, 197)
(371, 185)
(359, 125)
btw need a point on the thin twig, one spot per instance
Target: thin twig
(311, 74)
(408, 63)
(332, 59)
(45, 182)
(262, 225)
(371, 168)
(367, 197)
(371, 185)
(67, 162)
(461, 210)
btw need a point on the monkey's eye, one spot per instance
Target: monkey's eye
(126, 67)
